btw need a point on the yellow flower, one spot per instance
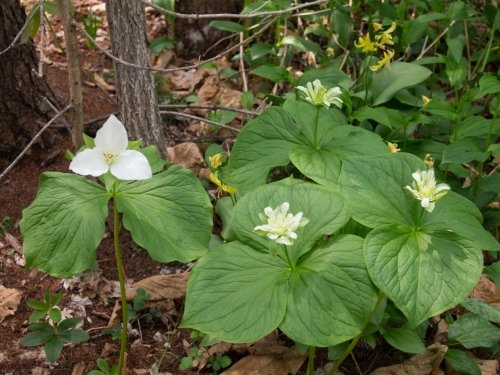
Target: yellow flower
(393, 147)
(330, 52)
(426, 100)
(377, 26)
(428, 161)
(221, 187)
(365, 44)
(385, 61)
(215, 160)
(385, 38)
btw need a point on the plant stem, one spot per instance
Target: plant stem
(121, 279)
(310, 363)
(354, 342)
(316, 120)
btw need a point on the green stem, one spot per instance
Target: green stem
(354, 342)
(316, 120)
(310, 363)
(121, 279)
(488, 50)
(285, 250)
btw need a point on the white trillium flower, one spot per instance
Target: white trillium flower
(281, 225)
(110, 154)
(317, 94)
(424, 188)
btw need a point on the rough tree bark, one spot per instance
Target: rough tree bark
(134, 87)
(196, 36)
(22, 92)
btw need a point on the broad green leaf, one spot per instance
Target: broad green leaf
(258, 50)
(305, 115)
(64, 224)
(170, 215)
(74, 336)
(388, 82)
(320, 309)
(423, 273)
(404, 339)
(389, 117)
(488, 84)
(459, 215)
(68, 324)
(323, 207)
(161, 43)
(442, 108)
(53, 349)
(230, 26)
(236, 294)
(301, 44)
(463, 151)
(461, 362)
(323, 165)
(373, 188)
(493, 271)
(475, 126)
(482, 308)
(43, 334)
(262, 144)
(273, 73)
(474, 331)
(330, 76)
(224, 208)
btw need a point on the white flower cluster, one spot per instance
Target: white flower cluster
(317, 94)
(424, 188)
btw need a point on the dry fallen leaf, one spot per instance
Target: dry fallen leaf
(161, 287)
(79, 368)
(487, 290)
(488, 367)
(188, 155)
(9, 300)
(285, 363)
(103, 85)
(427, 364)
(208, 90)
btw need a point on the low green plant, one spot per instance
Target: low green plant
(48, 328)
(91, 23)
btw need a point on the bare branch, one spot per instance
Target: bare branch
(35, 138)
(211, 107)
(20, 33)
(233, 15)
(192, 117)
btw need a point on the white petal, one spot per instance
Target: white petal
(89, 162)
(425, 202)
(112, 137)
(131, 165)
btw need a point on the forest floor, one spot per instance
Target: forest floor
(154, 339)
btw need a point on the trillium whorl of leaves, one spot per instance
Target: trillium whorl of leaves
(424, 188)
(110, 154)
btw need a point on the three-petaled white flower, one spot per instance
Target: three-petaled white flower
(281, 225)
(317, 94)
(424, 189)
(110, 154)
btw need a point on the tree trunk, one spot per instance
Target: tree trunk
(196, 37)
(134, 87)
(22, 93)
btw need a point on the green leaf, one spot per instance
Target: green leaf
(473, 126)
(374, 189)
(64, 224)
(33, 25)
(262, 144)
(493, 271)
(473, 331)
(301, 44)
(461, 362)
(404, 339)
(37, 305)
(463, 151)
(154, 158)
(423, 272)
(247, 100)
(330, 76)
(389, 117)
(161, 43)
(74, 336)
(388, 82)
(68, 324)
(170, 215)
(320, 309)
(55, 315)
(53, 349)
(236, 294)
(41, 335)
(323, 207)
(441, 108)
(230, 26)
(273, 73)
(224, 208)
(482, 308)
(323, 166)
